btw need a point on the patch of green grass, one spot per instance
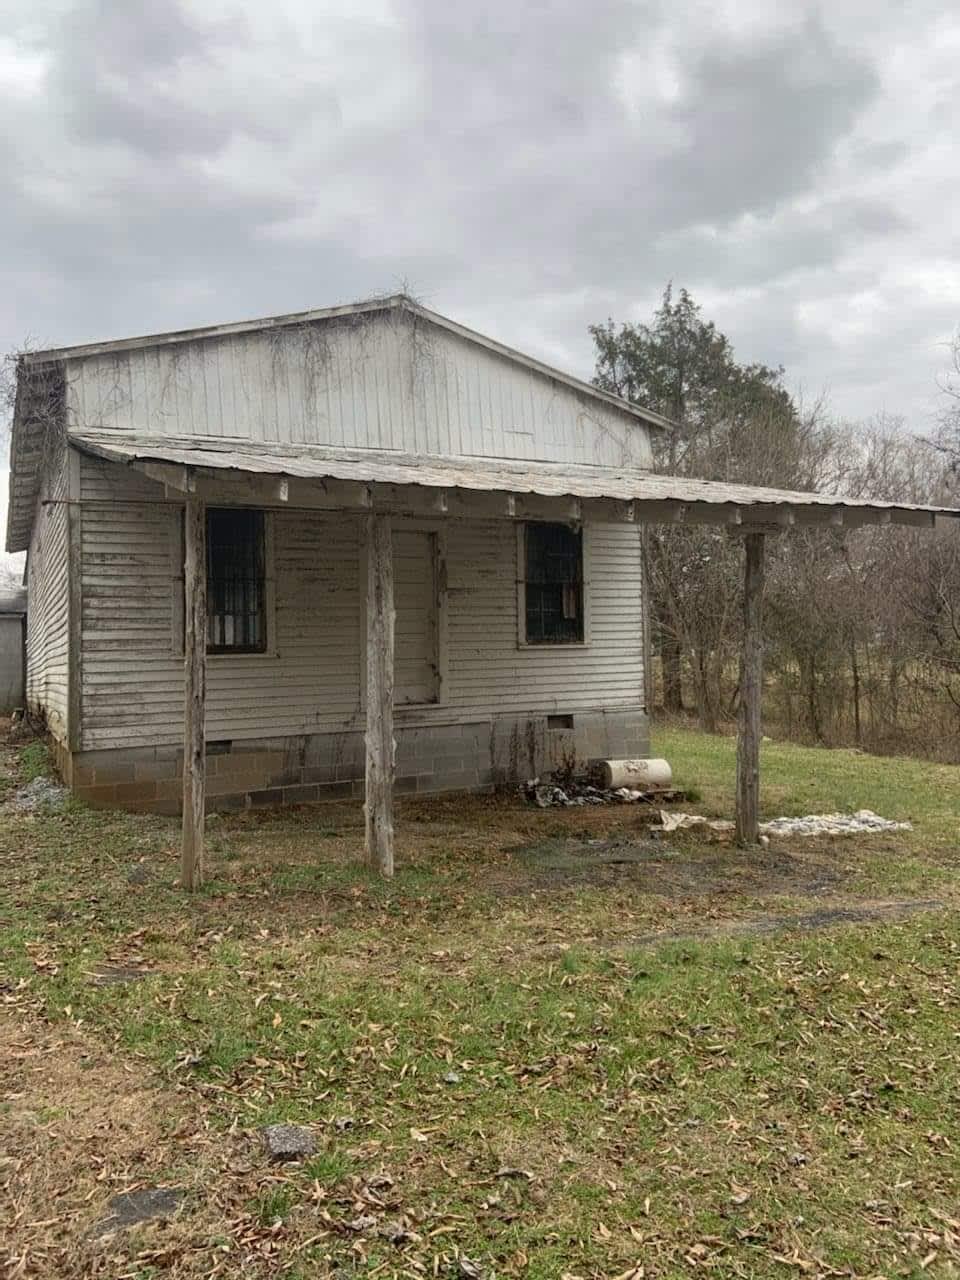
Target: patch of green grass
(273, 1205)
(329, 1167)
(546, 1095)
(796, 780)
(34, 761)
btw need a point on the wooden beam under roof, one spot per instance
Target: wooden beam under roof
(233, 487)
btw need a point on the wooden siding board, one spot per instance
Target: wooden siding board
(133, 677)
(387, 383)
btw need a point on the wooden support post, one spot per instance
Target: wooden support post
(381, 748)
(751, 681)
(194, 691)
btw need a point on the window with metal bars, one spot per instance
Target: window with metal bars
(236, 586)
(553, 584)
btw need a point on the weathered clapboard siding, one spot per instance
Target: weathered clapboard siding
(132, 645)
(380, 381)
(487, 666)
(48, 595)
(310, 680)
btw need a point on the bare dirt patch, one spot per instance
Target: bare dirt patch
(108, 1172)
(673, 870)
(78, 1126)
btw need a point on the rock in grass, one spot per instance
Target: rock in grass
(133, 1207)
(42, 794)
(288, 1141)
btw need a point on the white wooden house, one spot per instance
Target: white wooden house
(519, 623)
(335, 470)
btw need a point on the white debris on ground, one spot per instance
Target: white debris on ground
(684, 821)
(813, 824)
(833, 824)
(547, 795)
(41, 793)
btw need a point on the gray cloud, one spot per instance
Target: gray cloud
(531, 168)
(762, 118)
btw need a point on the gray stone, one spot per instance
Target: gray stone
(107, 975)
(288, 1141)
(133, 1207)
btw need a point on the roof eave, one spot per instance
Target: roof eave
(659, 496)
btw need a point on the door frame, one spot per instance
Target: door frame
(439, 529)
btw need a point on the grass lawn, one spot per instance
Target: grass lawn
(551, 1047)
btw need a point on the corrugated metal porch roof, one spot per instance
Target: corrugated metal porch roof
(370, 466)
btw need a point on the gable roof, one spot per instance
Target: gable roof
(395, 302)
(38, 371)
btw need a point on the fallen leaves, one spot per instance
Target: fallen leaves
(498, 1082)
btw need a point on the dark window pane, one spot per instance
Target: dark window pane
(236, 613)
(554, 584)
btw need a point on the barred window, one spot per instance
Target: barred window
(553, 584)
(236, 588)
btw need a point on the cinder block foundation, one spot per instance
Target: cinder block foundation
(256, 773)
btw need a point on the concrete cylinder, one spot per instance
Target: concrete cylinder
(649, 774)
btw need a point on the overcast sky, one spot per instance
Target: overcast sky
(526, 166)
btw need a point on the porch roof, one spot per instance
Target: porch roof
(655, 496)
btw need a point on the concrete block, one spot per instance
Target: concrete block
(319, 773)
(226, 804)
(99, 796)
(285, 778)
(266, 798)
(155, 771)
(301, 794)
(133, 793)
(116, 771)
(336, 791)
(463, 781)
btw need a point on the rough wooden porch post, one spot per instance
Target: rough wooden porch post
(194, 692)
(751, 681)
(381, 748)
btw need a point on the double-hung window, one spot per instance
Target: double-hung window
(553, 584)
(236, 581)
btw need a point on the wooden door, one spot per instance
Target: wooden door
(416, 667)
